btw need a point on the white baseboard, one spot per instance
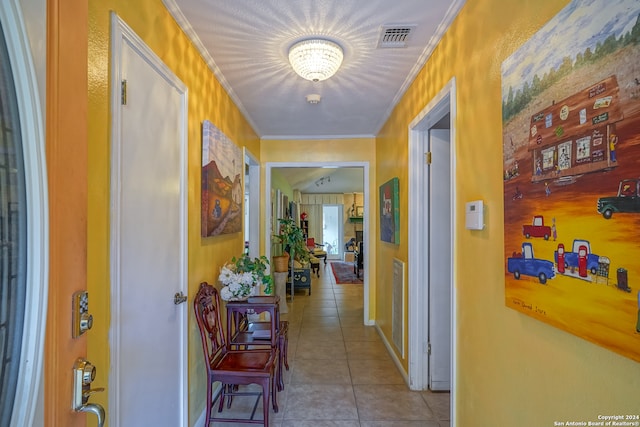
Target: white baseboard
(393, 355)
(201, 421)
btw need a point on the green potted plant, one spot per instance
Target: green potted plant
(292, 240)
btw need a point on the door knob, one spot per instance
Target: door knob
(179, 298)
(83, 375)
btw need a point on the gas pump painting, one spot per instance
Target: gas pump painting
(571, 157)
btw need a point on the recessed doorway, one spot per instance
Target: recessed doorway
(432, 349)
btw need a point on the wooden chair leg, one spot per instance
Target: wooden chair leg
(209, 401)
(279, 374)
(285, 348)
(274, 394)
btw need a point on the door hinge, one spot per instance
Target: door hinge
(123, 92)
(427, 348)
(427, 157)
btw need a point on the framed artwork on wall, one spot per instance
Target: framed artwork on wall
(221, 188)
(390, 212)
(570, 179)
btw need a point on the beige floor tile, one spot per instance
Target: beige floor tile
(320, 350)
(390, 403)
(320, 371)
(374, 371)
(318, 303)
(360, 333)
(321, 402)
(400, 424)
(320, 423)
(439, 402)
(320, 312)
(314, 321)
(242, 407)
(366, 350)
(321, 333)
(352, 320)
(356, 312)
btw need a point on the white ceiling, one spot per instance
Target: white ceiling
(246, 43)
(324, 180)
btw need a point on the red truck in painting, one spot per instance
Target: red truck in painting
(537, 228)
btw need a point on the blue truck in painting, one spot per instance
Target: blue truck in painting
(526, 264)
(579, 261)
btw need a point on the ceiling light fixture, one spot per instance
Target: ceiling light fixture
(315, 59)
(322, 180)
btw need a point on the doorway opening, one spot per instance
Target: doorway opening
(332, 234)
(271, 207)
(432, 215)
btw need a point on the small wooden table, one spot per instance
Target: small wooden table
(238, 311)
(242, 334)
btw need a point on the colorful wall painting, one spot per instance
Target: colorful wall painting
(390, 212)
(571, 152)
(222, 166)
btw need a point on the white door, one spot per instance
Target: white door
(148, 327)
(439, 260)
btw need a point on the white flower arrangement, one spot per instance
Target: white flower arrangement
(242, 278)
(237, 285)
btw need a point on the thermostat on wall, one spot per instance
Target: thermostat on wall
(475, 215)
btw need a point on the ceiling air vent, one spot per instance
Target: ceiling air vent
(395, 36)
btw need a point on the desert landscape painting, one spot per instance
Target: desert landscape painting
(571, 170)
(222, 166)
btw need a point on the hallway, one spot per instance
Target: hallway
(340, 373)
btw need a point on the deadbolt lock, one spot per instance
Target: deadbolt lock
(82, 321)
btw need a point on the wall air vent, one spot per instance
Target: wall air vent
(395, 36)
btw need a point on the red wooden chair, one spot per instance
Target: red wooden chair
(232, 367)
(316, 249)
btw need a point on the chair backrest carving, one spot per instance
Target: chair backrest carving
(207, 310)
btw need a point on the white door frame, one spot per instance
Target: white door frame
(365, 227)
(438, 107)
(254, 203)
(121, 33)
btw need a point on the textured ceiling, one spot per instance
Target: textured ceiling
(246, 43)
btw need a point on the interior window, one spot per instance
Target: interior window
(12, 237)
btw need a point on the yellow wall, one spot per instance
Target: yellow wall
(331, 150)
(511, 369)
(207, 100)
(278, 182)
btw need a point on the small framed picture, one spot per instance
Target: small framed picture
(359, 210)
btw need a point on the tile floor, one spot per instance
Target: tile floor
(341, 374)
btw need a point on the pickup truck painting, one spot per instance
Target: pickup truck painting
(526, 264)
(537, 228)
(627, 200)
(579, 262)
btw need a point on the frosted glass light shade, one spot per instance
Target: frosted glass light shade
(315, 59)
